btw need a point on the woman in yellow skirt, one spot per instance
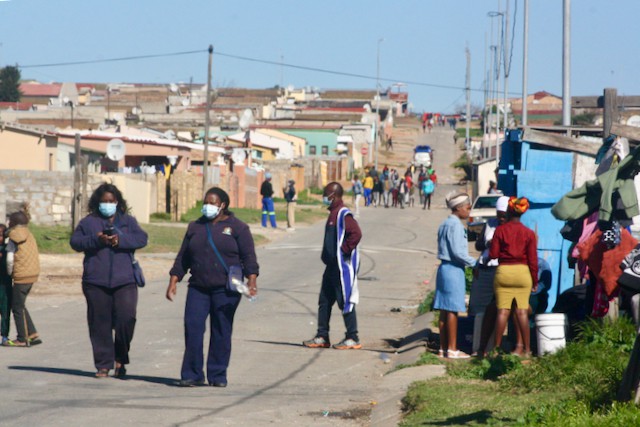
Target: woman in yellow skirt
(515, 247)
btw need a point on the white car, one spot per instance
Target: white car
(483, 208)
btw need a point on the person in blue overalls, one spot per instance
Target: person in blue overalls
(213, 243)
(266, 191)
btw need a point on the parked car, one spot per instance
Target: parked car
(483, 208)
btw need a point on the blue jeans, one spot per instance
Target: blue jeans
(268, 209)
(220, 306)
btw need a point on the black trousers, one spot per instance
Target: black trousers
(331, 293)
(109, 310)
(21, 318)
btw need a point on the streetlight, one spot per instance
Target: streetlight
(492, 15)
(377, 125)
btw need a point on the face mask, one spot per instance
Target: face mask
(108, 209)
(326, 201)
(210, 211)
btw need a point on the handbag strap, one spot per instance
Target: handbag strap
(215, 249)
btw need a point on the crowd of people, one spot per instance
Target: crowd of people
(389, 188)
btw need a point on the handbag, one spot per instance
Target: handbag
(235, 276)
(138, 275)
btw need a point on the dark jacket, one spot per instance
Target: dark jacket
(290, 193)
(266, 189)
(104, 265)
(233, 239)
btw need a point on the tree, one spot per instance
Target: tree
(10, 84)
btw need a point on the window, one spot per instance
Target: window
(312, 150)
(325, 150)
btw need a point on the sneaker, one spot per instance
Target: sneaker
(317, 342)
(348, 344)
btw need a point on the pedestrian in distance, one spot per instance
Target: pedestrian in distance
(291, 198)
(368, 189)
(493, 189)
(389, 144)
(216, 247)
(428, 187)
(378, 189)
(6, 285)
(515, 248)
(268, 210)
(109, 237)
(341, 258)
(357, 191)
(23, 264)
(386, 187)
(453, 253)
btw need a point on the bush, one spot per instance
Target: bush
(160, 217)
(463, 163)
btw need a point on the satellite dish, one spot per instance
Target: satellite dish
(116, 150)
(136, 110)
(246, 119)
(633, 121)
(238, 155)
(185, 102)
(173, 88)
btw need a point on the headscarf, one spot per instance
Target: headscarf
(518, 205)
(455, 199)
(502, 204)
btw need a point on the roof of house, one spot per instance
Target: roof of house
(18, 106)
(40, 89)
(543, 94)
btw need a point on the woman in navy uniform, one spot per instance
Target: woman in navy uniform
(208, 295)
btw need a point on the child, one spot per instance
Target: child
(5, 289)
(23, 263)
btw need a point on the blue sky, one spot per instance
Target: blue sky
(424, 41)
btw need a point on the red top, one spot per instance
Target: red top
(513, 243)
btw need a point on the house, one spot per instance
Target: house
(265, 146)
(320, 141)
(543, 108)
(49, 94)
(299, 144)
(27, 148)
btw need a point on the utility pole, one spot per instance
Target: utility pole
(375, 139)
(77, 184)
(467, 142)
(507, 66)
(566, 63)
(525, 64)
(205, 141)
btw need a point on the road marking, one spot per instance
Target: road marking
(366, 249)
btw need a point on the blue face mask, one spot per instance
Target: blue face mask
(326, 201)
(108, 209)
(210, 211)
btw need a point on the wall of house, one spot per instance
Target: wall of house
(27, 151)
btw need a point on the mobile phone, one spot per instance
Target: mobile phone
(109, 230)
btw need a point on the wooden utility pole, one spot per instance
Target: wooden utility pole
(205, 140)
(609, 110)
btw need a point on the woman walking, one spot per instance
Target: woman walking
(212, 246)
(453, 253)
(515, 248)
(109, 237)
(23, 264)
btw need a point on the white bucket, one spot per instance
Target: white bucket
(550, 329)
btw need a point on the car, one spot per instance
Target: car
(482, 209)
(423, 155)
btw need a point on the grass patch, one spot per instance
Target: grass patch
(52, 239)
(461, 132)
(160, 217)
(254, 216)
(426, 358)
(574, 387)
(427, 305)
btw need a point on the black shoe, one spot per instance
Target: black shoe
(218, 384)
(120, 372)
(190, 383)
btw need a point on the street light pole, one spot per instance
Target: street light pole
(205, 160)
(566, 63)
(377, 125)
(525, 64)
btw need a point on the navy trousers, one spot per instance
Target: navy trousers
(220, 306)
(108, 310)
(330, 293)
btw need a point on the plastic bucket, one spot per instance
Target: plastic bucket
(551, 329)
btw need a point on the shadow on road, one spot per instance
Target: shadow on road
(79, 373)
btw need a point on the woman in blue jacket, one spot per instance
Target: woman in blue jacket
(109, 236)
(208, 296)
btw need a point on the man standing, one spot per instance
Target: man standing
(266, 191)
(339, 282)
(290, 197)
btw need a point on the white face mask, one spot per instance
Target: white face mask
(210, 211)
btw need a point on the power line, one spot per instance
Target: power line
(248, 59)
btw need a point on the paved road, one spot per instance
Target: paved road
(273, 380)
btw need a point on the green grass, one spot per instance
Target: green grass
(574, 387)
(308, 214)
(461, 132)
(55, 239)
(160, 217)
(426, 358)
(427, 305)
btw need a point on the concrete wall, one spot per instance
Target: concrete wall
(27, 150)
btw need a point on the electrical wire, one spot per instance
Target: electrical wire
(248, 59)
